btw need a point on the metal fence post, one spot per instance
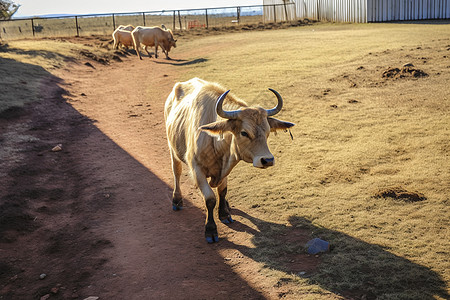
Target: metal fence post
(143, 17)
(274, 14)
(114, 22)
(285, 11)
(179, 20)
(206, 13)
(173, 20)
(32, 26)
(76, 24)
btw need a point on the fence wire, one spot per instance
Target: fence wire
(103, 24)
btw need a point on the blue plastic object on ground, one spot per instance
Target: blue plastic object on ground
(317, 245)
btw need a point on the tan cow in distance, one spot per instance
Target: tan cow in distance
(122, 35)
(212, 140)
(153, 37)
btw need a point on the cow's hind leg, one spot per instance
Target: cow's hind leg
(177, 199)
(211, 234)
(224, 206)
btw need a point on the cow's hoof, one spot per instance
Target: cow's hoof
(212, 239)
(177, 204)
(176, 207)
(228, 220)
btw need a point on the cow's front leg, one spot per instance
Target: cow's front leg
(165, 51)
(211, 234)
(148, 53)
(177, 199)
(224, 207)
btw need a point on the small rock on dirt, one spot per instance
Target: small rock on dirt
(42, 276)
(57, 148)
(91, 298)
(317, 245)
(89, 65)
(117, 58)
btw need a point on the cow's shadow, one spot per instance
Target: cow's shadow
(353, 268)
(181, 62)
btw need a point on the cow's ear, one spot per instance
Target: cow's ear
(217, 128)
(276, 124)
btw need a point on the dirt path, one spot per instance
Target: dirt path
(155, 252)
(96, 217)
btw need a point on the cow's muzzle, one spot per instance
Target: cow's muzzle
(264, 162)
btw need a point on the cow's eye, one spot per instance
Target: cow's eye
(244, 134)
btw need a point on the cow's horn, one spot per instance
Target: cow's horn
(223, 113)
(276, 109)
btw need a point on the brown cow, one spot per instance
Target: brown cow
(153, 36)
(212, 140)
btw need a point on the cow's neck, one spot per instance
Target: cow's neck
(226, 149)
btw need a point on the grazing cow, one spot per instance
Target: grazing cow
(212, 146)
(126, 27)
(153, 36)
(122, 35)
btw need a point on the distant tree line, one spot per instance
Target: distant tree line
(7, 9)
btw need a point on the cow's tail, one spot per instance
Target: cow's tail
(136, 42)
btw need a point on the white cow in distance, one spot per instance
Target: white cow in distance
(122, 35)
(153, 37)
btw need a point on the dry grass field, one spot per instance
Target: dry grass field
(358, 134)
(368, 168)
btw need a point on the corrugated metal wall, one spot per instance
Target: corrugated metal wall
(333, 10)
(279, 11)
(362, 11)
(398, 10)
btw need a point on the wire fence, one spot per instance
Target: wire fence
(103, 24)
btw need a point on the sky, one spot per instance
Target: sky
(31, 8)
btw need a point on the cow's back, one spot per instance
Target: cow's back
(147, 35)
(189, 105)
(124, 37)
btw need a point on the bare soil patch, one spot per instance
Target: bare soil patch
(399, 193)
(406, 71)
